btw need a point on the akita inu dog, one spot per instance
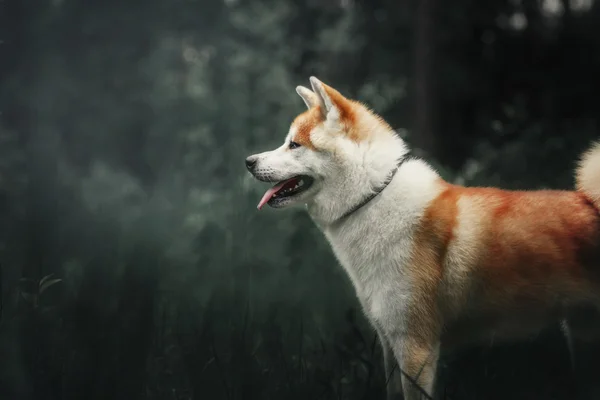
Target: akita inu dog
(434, 263)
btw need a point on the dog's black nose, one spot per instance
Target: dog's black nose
(250, 162)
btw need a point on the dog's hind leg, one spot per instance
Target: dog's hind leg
(582, 332)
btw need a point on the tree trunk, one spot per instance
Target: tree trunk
(424, 82)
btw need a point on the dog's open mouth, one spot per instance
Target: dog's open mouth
(285, 190)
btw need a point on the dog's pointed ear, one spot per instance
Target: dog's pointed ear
(310, 98)
(335, 105)
(319, 88)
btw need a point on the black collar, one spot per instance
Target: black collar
(380, 189)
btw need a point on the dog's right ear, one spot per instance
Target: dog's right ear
(310, 98)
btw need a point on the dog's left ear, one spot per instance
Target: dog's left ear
(334, 105)
(310, 98)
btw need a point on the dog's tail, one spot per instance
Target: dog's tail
(587, 176)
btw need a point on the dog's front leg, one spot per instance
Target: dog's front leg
(418, 358)
(393, 378)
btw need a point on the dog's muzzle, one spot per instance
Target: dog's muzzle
(251, 163)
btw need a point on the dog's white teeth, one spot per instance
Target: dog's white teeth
(300, 183)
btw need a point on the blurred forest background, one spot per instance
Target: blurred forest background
(134, 262)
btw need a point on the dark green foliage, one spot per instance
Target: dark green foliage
(134, 263)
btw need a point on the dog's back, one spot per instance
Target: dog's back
(510, 262)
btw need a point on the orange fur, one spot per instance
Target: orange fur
(304, 124)
(344, 106)
(355, 128)
(528, 249)
(537, 236)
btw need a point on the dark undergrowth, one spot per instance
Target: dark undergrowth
(214, 353)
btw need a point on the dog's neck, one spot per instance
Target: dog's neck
(360, 183)
(377, 190)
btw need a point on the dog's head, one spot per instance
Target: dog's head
(333, 153)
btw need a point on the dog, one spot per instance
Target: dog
(436, 264)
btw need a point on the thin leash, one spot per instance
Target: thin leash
(406, 157)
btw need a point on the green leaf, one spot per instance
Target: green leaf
(44, 279)
(48, 283)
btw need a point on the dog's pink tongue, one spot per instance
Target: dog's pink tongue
(268, 194)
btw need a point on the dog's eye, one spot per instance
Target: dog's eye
(294, 145)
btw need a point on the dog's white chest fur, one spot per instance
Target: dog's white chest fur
(376, 266)
(375, 244)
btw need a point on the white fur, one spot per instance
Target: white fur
(374, 247)
(374, 244)
(588, 173)
(310, 99)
